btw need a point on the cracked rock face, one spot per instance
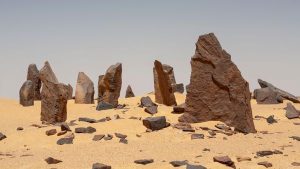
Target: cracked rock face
(84, 93)
(110, 84)
(54, 97)
(33, 75)
(217, 90)
(163, 85)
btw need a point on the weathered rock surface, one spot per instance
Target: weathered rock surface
(279, 92)
(27, 94)
(84, 93)
(100, 166)
(104, 106)
(129, 92)
(33, 75)
(110, 85)
(144, 161)
(217, 90)
(163, 86)
(70, 92)
(54, 97)
(51, 160)
(98, 137)
(155, 123)
(66, 140)
(291, 111)
(267, 96)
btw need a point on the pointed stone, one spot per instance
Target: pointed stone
(33, 75)
(217, 90)
(163, 86)
(27, 94)
(84, 93)
(110, 85)
(54, 97)
(129, 92)
(291, 111)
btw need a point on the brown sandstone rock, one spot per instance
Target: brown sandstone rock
(129, 92)
(70, 92)
(33, 75)
(27, 94)
(217, 90)
(54, 97)
(84, 93)
(110, 85)
(163, 86)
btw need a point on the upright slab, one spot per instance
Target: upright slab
(84, 90)
(27, 94)
(163, 85)
(33, 75)
(54, 97)
(217, 90)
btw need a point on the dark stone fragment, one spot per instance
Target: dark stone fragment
(104, 106)
(100, 166)
(51, 160)
(144, 161)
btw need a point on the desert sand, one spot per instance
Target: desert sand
(27, 149)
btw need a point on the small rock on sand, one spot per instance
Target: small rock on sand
(144, 161)
(51, 160)
(100, 166)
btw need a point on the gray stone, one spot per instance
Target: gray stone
(155, 123)
(27, 94)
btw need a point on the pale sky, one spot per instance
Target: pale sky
(263, 38)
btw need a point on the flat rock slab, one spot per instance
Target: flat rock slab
(51, 160)
(155, 123)
(119, 135)
(98, 137)
(65, 140)
(197, 136)
(88, 130)
(88, 120)
(104, 106)
(100, 166)
(265, 164)
(144, 161)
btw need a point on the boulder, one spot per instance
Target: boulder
(129, 92)
(33, 75)
(224, 160)
(70, 92)
(27, 94)
(54, 97)
(267, 96)
(66, 140)
(281, 93)
(163, 86)
(155, 123)
(179, 109)
(147, 102)
(291, 111)
(84, 93)
(217, 90)
(104, 106)
(88, 130)
(110, 85)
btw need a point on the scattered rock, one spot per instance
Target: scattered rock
(129, 92)
(212, 133)
(214, 72)
(121, 106)
(51, 160)
(102, 120)
(119, 135)
(147, 102)
(295, 164)
(27, 94)
(144, 161)
(104, 106)
(291, 111)
(85, 130)
(54, 97)
(155, 123)
(98, 137)
(108, 137)
(88, 120)
(61, 133)
(189, 166)
(123, 140)
(66, 140)
(65, 127)
(295, 138)
(264, 153)
(2, 136)
(178, 163)
(151, 110)
(224, 160)
(20, 128)
(183, 126)
(240, 159)
(271, 119)
(206, 149)
(297, 124)
(100, 166)
(188, 130)
(163, 86)
(197, 136)
(265, 163)
(84, 93)
(33, 76)
(179, 109)
(110, 84)
(222, 127)
(51, 132)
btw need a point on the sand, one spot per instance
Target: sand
(27, 149)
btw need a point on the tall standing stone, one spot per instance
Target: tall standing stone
(129, 92)
(163, 86)
(70, 92)
(54, 97)
(33, 75)
(217, 90)
(84, 90)
(27, 94)
(110, 85)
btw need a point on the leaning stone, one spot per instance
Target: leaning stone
(104, 106)
(151, 110)
(267, 96)
(144, 161)
(27, 94)
(224, 160)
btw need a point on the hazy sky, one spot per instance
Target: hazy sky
(263, 38)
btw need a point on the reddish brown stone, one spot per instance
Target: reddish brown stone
(70, 92)
(163, 86)
(217, 90)
(27, 94)
(84, 93)
(129, 92)
(33, 75)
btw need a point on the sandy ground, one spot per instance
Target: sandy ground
(27, 149)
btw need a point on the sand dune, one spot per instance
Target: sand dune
(27, 149)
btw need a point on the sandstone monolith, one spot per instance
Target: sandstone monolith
(84, 93)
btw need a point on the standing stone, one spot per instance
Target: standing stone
(84, 93)
(217, 90)
(110, 85)
(129, 92)
(54, 97)
(70, 92)
(33, 75)
(163, 86)
(27, 94)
